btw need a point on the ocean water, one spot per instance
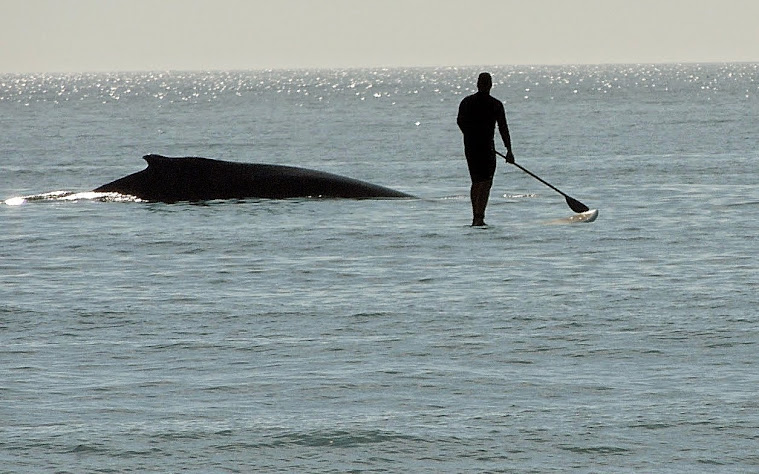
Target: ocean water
(312, 335)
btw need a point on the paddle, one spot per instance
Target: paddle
(573, 203)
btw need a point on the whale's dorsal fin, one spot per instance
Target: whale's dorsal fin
(154, 159)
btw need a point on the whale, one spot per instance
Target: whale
(179, 179)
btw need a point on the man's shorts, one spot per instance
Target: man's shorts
(481, 164)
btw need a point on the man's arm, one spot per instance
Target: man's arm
(503, 129)
(461, 118)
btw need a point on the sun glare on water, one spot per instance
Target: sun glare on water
(71, 196)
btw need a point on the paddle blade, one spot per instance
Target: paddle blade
(576, 205)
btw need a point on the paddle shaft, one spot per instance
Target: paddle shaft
(576, 205)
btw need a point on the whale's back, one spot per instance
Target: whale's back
(170, 179)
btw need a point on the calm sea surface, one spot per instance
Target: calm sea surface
(316, 335)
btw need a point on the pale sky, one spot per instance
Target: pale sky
(139, 35)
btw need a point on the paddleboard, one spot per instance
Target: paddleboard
(587, 216)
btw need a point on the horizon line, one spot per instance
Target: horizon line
(364, 68)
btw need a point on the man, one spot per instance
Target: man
(478, 115)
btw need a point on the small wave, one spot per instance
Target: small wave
(341, 438)
(520, 196)
(611, 450)
(87, 448)
(460, 197)
(742, 204)
(466, 197)
(71, 196)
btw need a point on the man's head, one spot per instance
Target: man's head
(484, 82)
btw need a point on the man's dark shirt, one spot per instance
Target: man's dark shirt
(478, 115)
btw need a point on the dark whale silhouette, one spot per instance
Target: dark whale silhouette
(200, 179)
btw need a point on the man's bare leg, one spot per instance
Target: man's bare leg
(480, 193)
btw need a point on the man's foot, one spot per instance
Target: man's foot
(478, 222)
